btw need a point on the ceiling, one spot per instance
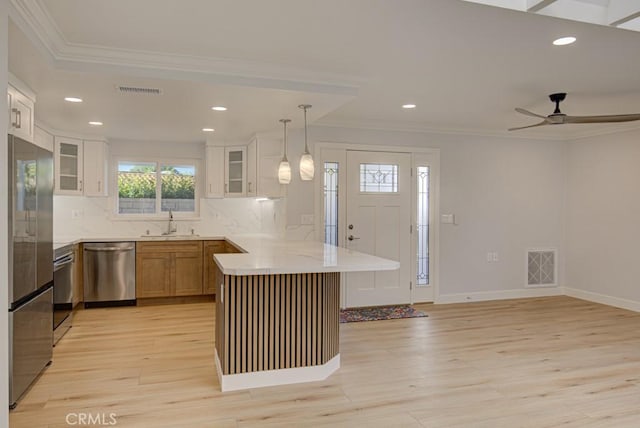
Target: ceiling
(618, 13)
(465, 65)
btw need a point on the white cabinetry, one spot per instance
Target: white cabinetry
(81, 167)
(214, 172)
(43, 139)
(20, 105)
(68, 165)
(235, 162)
(263, 160)
(237, 171)
(95, 168)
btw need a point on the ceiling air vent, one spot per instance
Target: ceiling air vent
(541, 268)
(138, 91)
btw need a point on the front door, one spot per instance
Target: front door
(378, 223)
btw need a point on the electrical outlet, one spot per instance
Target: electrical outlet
(489, 257)
(306, 219)
(495, 257)
(76, 213)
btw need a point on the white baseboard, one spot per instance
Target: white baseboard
(631, 305)
(499, 295)
(276, 377)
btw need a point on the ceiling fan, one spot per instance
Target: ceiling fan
(559, 118)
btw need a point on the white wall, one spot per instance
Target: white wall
(507, 194)
(4, 239)
(92, 217)
(603, 213)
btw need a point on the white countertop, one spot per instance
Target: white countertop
(266, 255)
(273, 256)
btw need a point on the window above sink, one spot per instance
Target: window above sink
(151, 188)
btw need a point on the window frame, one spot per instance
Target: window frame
(159, 161)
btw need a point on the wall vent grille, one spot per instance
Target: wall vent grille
(138, 91)
(542, 268)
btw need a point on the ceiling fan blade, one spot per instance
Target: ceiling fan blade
(529, 113)
(544, 122)
(602, 119)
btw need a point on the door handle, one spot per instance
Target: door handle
(351, 238)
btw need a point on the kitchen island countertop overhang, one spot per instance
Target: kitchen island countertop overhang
(268, 256)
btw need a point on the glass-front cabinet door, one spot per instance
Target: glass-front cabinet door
(68, 166)
(235, 171)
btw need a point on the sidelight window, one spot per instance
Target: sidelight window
(422, 226)
(331, 203)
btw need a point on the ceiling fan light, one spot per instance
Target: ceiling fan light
(307, 168)
(284, 172)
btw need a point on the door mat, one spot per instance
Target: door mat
(376, 313)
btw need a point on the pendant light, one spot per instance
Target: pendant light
(284, 171)
(307, 168)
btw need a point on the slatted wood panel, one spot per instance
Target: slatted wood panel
(271, 322)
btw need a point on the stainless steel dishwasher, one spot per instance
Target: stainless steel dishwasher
(109, 274)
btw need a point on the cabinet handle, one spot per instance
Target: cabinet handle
(15, 122)
(209, 187)
(249, 185)
(80, 185)
(19, 117)
(226, 187)
(99, 186)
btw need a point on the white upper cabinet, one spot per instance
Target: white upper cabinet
(20, 106)
(43, 139)
(214, 186)
(96, 171)
(244, 171)
(235, 162)
(252, 171)
(263, 159)
(68, 165)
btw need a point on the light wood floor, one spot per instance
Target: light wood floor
(544, 362)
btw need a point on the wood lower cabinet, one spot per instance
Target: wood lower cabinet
(188, 273)
(209, 271)
(168, 269)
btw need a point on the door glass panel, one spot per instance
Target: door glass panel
(331, 203)
(422, 226)
(378, 178)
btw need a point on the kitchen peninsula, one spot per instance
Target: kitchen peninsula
(277, 310)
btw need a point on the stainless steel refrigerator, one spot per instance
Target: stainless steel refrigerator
(30, 263)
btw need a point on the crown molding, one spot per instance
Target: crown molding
(33, 18)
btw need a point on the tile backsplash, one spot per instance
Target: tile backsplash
(77, 217)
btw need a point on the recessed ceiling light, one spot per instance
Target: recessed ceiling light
(562, 41)
(73, 99)
(218, 108)
(408, 106)
(208, 129)
(95, 123)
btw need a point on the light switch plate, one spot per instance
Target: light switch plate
(448, 218)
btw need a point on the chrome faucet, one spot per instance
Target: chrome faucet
(172, 224)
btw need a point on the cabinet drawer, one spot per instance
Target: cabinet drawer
(214, 246)
(169, 247)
